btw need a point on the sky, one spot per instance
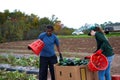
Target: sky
(72, 13)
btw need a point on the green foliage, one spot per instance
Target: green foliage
(43, 22)
(16, 26)
(15, 75)
(74, 36)
(2, 18)
(66, 31)
(23, 61)
(113, 34)
(73, 62)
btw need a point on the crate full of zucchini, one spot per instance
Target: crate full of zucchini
(74, 69)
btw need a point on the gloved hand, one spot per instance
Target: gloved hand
(29, 48)
(98, 52)
(87, 57)
(60, 57)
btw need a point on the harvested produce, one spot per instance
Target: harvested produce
(73, 62)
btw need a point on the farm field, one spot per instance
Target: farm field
(67, 45)
(70, 47)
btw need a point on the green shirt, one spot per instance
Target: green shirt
(103, 44)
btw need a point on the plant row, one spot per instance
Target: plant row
(21, 61)
(15, 75)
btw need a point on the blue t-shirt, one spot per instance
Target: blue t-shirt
(49, 42)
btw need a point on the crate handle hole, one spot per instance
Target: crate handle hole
(60, 73)
(70, 75)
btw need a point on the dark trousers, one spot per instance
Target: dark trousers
(45, 63)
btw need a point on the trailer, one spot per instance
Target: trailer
(112, 28)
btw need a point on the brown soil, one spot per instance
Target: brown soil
(80, 45)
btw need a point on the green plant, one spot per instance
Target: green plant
(22, 61)
(15, 75)
(73, 62)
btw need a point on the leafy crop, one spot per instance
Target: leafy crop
(73, 62)
(15, 75)
(22, 61)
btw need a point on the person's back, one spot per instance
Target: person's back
(103, 43)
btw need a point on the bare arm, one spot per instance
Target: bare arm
(60, 55)
(58, 49)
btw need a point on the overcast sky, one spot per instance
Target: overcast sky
(72, 13)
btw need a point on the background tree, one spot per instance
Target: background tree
(57, 27)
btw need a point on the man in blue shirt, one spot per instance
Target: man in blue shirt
(47, 56)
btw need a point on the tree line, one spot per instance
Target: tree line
(17, 25)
